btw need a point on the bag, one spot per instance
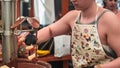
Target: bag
(47, 45)
(62, 45)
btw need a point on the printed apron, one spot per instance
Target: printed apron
(86, 47)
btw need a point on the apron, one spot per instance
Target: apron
(87, 49)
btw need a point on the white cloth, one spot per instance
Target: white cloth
(99, 3)
(44, 11)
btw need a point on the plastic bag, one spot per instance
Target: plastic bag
(62, 45)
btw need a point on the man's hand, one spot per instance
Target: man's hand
(30, 39)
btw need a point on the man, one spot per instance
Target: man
(112, 5)
(93, 30)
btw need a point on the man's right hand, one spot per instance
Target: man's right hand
(30, 39)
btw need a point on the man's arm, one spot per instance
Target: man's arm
(60, 27)
(112, 28)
